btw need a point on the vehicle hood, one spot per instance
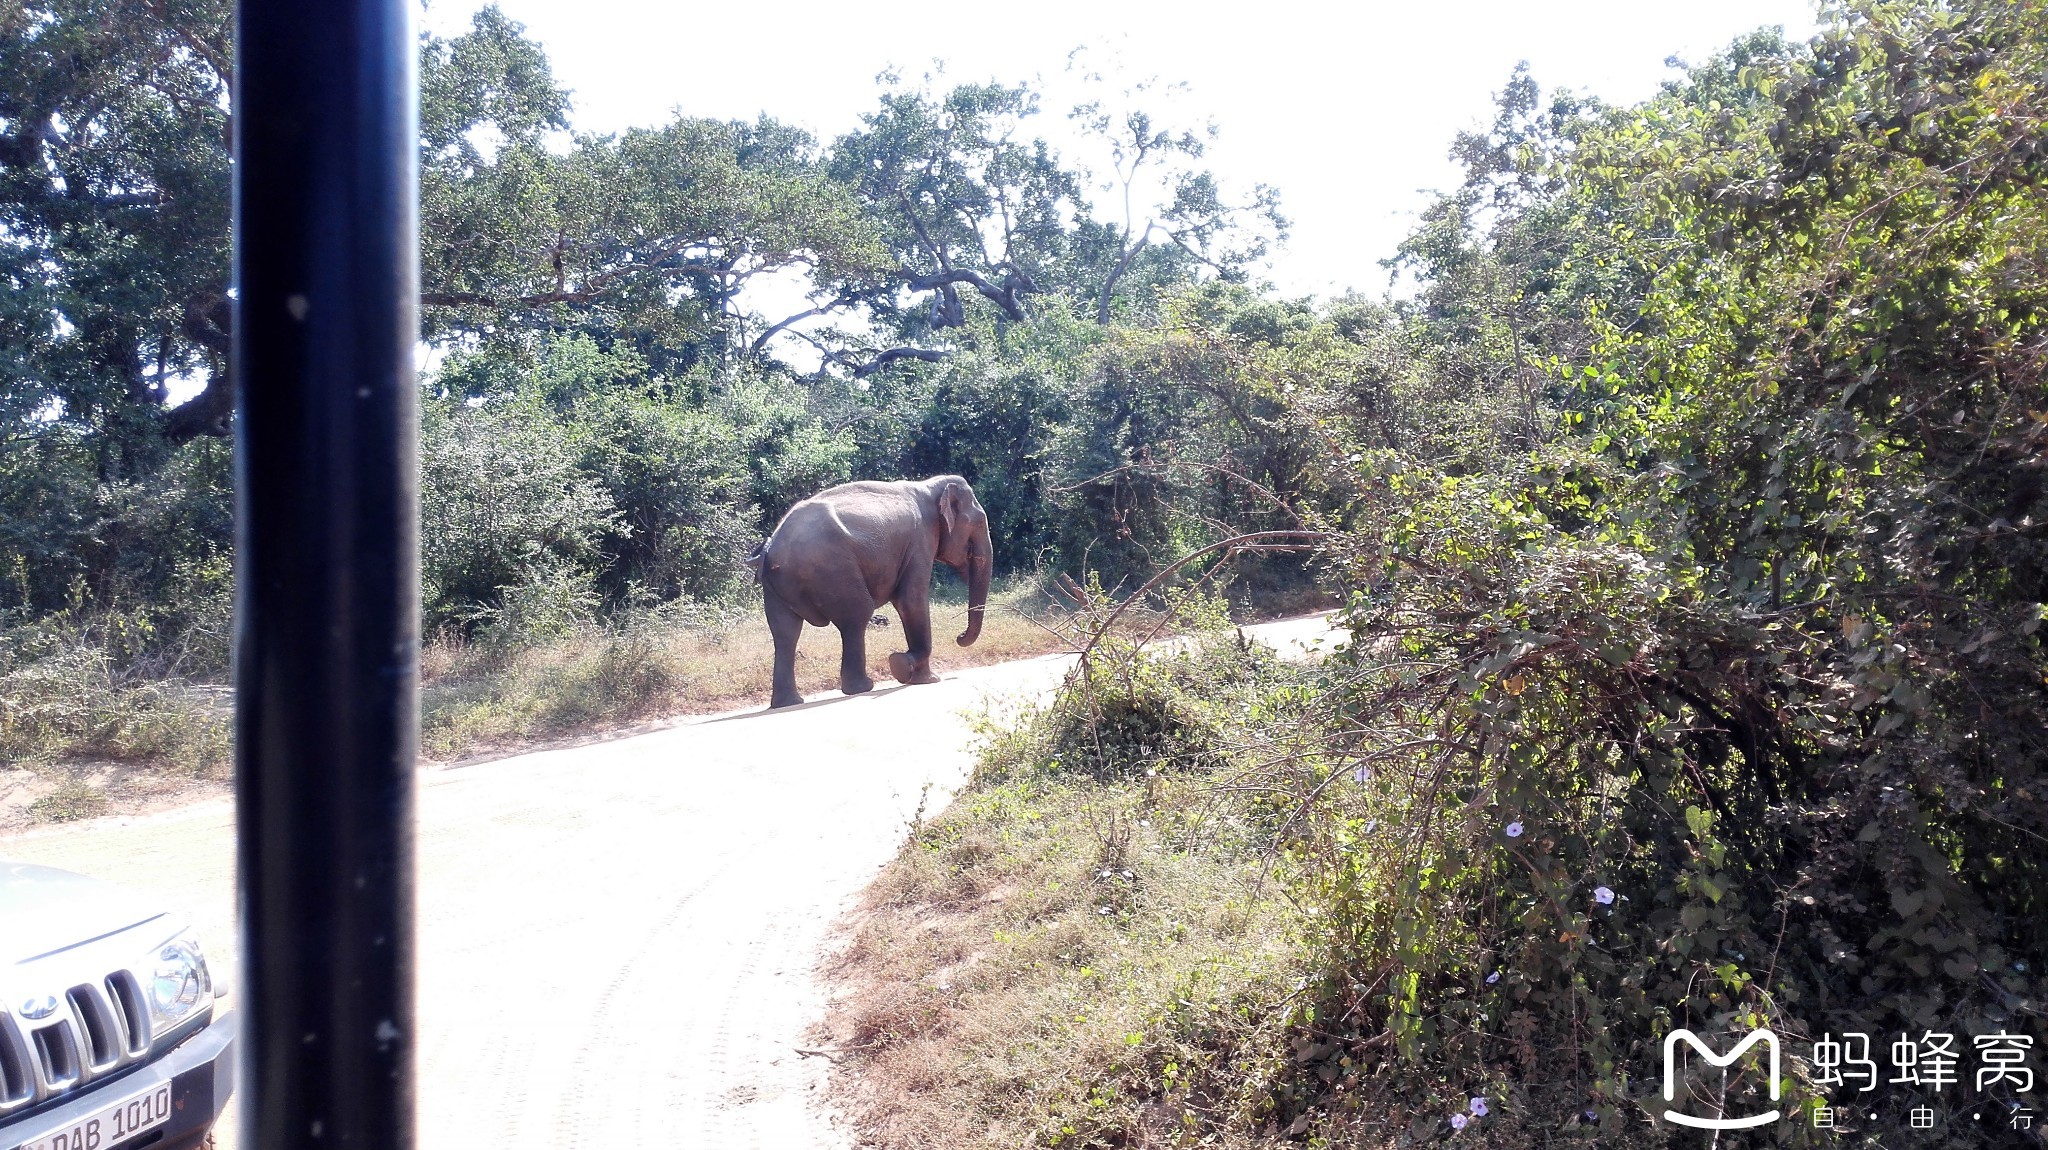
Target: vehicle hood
(43, 909)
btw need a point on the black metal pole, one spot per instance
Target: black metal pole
(325, 325)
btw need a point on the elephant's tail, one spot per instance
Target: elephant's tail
(756, 560)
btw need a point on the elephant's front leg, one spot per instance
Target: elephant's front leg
(853, 655)
(914, 665)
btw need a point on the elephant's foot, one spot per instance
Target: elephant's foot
(860, 686)
(907, 670)
(785, 698)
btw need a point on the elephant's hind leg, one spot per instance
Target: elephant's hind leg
(853, 655)
(785, 626)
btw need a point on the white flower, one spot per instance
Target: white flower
(1603, 896)
(1458, 1121)
(1515, 830)
(1479, 1107)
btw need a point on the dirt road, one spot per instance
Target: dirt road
(618, 940)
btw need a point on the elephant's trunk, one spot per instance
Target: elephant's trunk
(980, 561)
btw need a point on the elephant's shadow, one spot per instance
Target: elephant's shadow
(879, 692)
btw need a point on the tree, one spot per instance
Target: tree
(1510, 264)
(650, 236)
(965, 201)
(1162, 203)
(114, 127)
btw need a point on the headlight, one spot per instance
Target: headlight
(179, 986)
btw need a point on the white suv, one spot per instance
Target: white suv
(111, 1037)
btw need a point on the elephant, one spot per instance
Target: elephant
(845, 551)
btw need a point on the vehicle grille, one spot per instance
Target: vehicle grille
(97, 1029)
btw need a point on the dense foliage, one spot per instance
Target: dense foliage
(1688, 514)
(1710, 691)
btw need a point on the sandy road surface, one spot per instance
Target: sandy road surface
(617, 941)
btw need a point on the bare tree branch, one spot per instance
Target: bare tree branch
(211, 412)
(861, 370)
(924, 354)
(1006, 295)
(1256, 541)
(761, 341)
(1116, 273)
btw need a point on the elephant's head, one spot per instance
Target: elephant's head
(964, 545)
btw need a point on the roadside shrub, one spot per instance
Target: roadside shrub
(80, 535)
(790, 452)
(1615, 803)
(110, 681)
(629, 671)
(553, 598)
(677, 477)
(502, 503)
(75, 700)
(1125, 715)
(1060, 959)
(1129, 707)
(197, 637)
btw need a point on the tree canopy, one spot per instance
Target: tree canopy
(918, 237)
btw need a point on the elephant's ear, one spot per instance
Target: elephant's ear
(952, 506)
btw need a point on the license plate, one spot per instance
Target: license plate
(113, 1125)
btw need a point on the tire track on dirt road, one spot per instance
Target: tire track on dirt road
(618, 941)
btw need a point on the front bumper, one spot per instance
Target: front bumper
(201, 1071)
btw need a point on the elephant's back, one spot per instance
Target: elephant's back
(851, 508)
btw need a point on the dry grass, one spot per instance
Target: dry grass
(82, 734)
(478, 701)
(76, 730)
(77, 702)
(69, 799)
(1025, 975)
(1061, 961)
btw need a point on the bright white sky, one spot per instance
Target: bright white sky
(1348, 109)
